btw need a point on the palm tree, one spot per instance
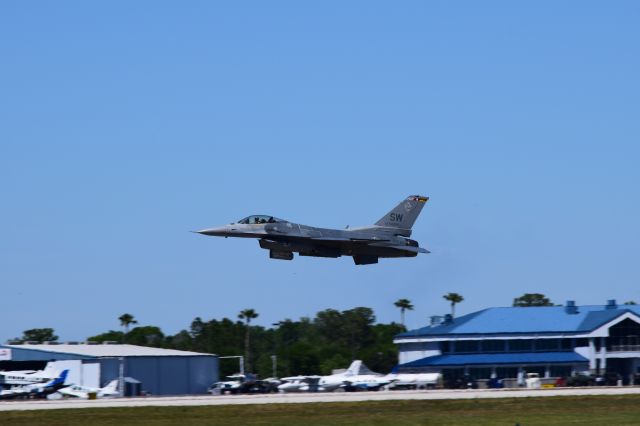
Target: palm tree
(126, 320)
(247, 315)
(453, 298)
(403, 304)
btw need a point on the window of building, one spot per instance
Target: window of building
(451, 375)
(480, 373)
(445, 347)
(582, 342)
(507, 372)
(520, 345)
(540, 369)
(560, 370)
(463, 346)
(566, 344)
(493, 346)
(624, 336)
(545, 345)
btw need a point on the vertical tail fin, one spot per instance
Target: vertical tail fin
(111, 387)
(354, 368)
(404, 215)
(50, 371)
(58, 381)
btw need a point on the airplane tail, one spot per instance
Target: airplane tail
(61, 378)
(354, 368)
(50, 370)
(358, 368)
(404, 215)
(111, 387)
(58, 381)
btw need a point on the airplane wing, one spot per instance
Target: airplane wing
(350, 240)
(70, 392)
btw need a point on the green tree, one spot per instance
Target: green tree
(630, 302)
(247, 315)
(126, 320)
(109, 336)
(345, 332)
(145, 336)
(403, 305)
(330, 340)
(532, 299)
(453, 298)
(39, 335)
(181, 341)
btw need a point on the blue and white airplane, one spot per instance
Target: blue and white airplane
(36, 390)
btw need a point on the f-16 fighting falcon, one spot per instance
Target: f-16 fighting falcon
(389, 237)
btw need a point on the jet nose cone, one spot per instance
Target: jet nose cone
(214, 232)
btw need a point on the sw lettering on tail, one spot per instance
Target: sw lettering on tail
(404, 215)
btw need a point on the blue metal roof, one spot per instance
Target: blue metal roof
(497, 359)
(526, 320)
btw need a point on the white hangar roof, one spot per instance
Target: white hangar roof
(105, 350)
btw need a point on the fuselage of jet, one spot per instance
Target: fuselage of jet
(388, 238)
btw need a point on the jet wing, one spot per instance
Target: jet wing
(350, 240)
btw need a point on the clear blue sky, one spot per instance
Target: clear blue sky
(123, 125)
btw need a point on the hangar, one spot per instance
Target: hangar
(154, 371)
(553, 341)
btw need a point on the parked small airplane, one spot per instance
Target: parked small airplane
(111, 389)
(413, 381)
(299, 384)
(357, 377)
(388, 237)
(27, 377)
(36, 390)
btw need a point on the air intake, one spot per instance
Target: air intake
(571, 307)
(611, 304)
(448, 319)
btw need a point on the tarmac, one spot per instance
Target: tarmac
(301, 398)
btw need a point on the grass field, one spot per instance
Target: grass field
(588, 410)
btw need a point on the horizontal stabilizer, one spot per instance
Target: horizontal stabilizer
(411, 249)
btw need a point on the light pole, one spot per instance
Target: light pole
(274, 363)
(121, 377)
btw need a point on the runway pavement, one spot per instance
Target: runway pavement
(298, 398)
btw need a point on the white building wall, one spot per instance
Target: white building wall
(408, 352)
(79, 373)
(91, 375)
(585, 351)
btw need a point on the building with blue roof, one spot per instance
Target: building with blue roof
(553, 341)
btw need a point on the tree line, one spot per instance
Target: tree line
(330, 340)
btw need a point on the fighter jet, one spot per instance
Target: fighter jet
(388, 237)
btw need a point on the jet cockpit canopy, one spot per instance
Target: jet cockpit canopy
(260, 219)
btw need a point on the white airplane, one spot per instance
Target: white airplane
(36, 389)
(77, 391)
(357, 377)
(28, 377)
(299, 384)
(413, 381)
